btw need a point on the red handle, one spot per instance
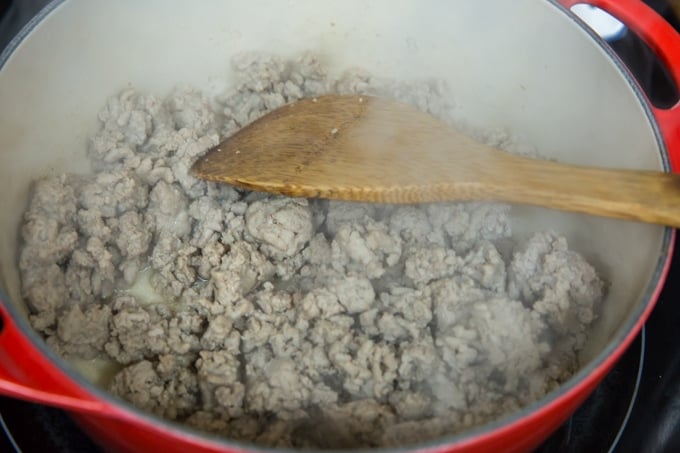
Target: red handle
(664, 40)
(24, 374)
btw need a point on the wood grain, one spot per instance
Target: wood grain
(372, 149)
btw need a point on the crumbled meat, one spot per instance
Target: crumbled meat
(342, 212)
(221, 335)
(288, 322)
(170, 206)
(282, 226)
(356, 294)
(365, 248)
(557, 283)
(464, 224)
(45, 288)
(191, 110)
(164, 332)
(113, 193)
(425, 264)
(218, 379)
(82, 333)
(167, 387)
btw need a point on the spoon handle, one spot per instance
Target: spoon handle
(647, 196)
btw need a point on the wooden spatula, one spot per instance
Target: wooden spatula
(372, 149)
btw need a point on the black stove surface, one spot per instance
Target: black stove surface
(635, 409)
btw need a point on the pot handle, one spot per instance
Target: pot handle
(24, 374)
(664, 41)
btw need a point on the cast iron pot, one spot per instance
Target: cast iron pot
(527, 66)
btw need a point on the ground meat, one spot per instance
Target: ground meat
(289, 322)
(166, 387)
(557, 283)
(281, 226)
(82, 334)
(170, 206)
(113, 193)
(218, 379)
(365, 248)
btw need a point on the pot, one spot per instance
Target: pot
(531, 67)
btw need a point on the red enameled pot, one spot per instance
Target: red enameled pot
(528, 66)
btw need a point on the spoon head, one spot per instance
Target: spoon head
(372, 149)
(345, 147)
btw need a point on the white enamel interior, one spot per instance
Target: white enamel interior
(523, 66)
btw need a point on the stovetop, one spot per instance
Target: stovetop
(636, 408)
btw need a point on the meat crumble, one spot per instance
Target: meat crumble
(292, 322)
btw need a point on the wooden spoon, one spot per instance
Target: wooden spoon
(372, 149)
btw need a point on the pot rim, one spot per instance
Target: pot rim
(587, 376)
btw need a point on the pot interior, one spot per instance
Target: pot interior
(528, 69)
